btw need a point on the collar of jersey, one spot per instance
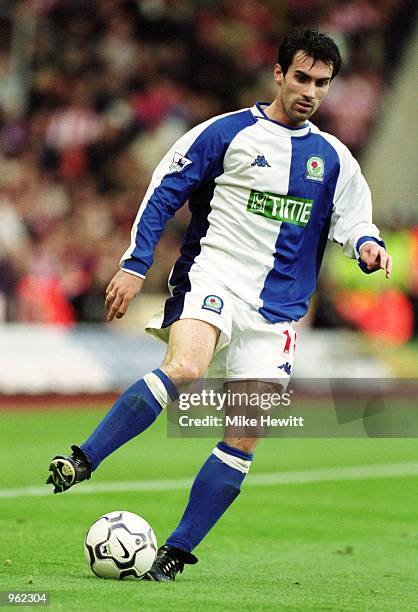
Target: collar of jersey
(275, 126)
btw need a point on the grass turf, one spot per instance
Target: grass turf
(348, 545)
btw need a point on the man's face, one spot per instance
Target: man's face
(302, 88)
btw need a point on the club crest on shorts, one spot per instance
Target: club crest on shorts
(213, 303)
(315, 168)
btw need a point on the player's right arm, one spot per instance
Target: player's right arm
(195, 157)
(120, 292)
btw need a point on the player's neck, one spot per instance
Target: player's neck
(276, 112)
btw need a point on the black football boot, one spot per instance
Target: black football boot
(66, 471)
(168, 563)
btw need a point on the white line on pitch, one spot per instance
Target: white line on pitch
(359, 472)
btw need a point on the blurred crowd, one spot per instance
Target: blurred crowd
(93, 93)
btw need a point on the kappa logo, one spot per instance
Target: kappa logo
(315, 168)
(261, 161)
(179, 162)
(286, 367)
(213, 303)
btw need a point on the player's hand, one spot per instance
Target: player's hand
(120, 292)
(376, 258)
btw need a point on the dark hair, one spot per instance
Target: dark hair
(316, 45)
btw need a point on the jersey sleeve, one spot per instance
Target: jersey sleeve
(351, 220)
(195, 157)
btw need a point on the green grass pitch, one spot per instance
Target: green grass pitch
(337, 545)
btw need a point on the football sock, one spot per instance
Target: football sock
(134, 411)
(214, 489)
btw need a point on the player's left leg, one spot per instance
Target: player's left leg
(215, 487)
(264, 353)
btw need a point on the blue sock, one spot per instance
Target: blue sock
(134, 411)
(214, 489)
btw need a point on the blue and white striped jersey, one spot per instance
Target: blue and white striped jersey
(264, 198)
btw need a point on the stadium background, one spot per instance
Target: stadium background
(92, 94)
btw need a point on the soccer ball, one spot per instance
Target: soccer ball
(120, 545)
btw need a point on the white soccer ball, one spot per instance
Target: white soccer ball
(120, 545)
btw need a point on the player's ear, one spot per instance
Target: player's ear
(278, 74)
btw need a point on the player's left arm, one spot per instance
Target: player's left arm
(351, 220)
(375, 257)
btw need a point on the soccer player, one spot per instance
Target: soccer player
(266, 188)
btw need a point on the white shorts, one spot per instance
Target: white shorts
(249, 345)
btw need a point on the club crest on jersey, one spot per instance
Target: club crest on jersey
(179, 162)
(213, 303)
(315, 168)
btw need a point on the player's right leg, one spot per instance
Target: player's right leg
(190, 349)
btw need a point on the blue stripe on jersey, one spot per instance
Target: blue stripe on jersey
(225, 130)
(206, 154)
(199, 204)
(290, 284)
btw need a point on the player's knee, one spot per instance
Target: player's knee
(248, 445)
(182, 372)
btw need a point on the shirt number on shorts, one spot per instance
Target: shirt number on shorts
(288, 342)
